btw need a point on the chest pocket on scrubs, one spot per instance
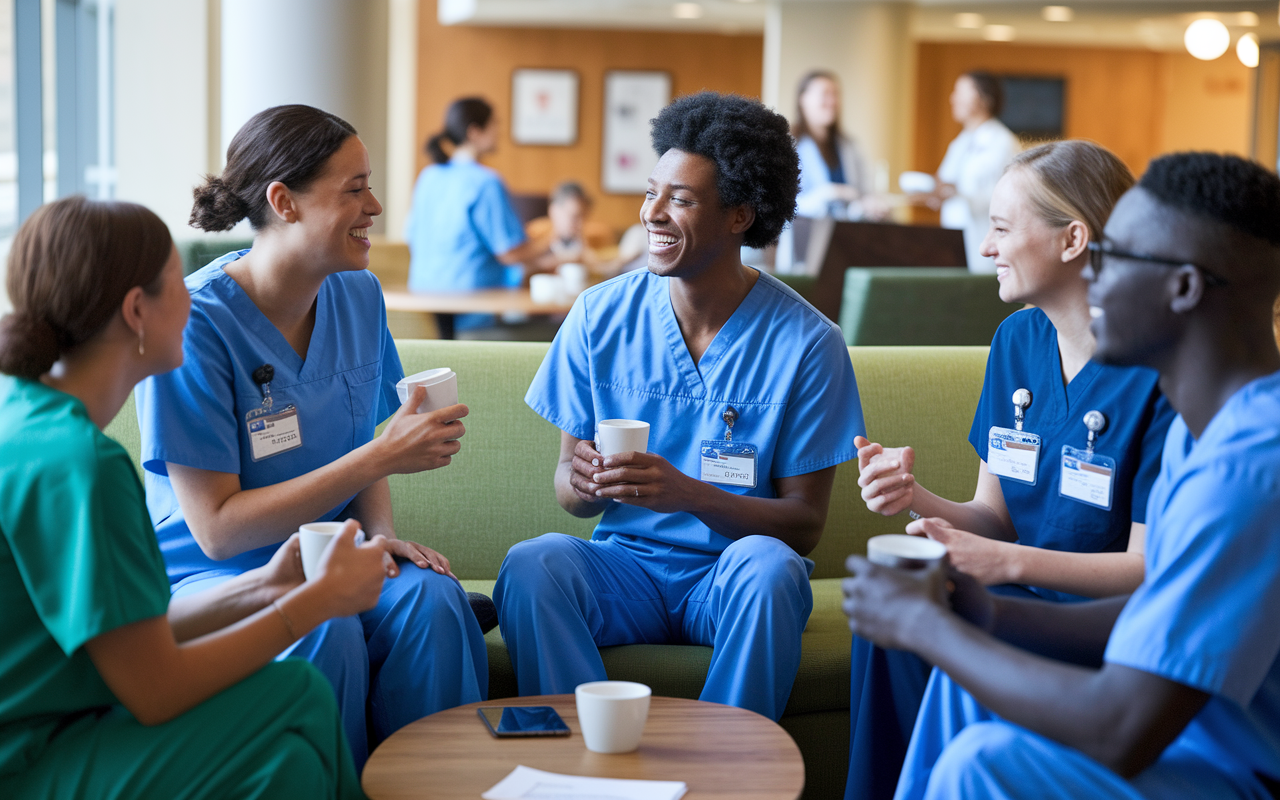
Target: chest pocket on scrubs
(362, 392)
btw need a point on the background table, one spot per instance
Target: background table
(718, 751)
(482, 301)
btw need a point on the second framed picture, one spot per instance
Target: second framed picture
(544, 106)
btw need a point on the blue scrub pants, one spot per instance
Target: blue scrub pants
(960, 749)
(560, 598)
(418, 651)
(885, 691)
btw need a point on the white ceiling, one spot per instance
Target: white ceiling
(1156, 24)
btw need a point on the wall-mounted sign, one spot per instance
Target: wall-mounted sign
(544, 106)
(631, 99)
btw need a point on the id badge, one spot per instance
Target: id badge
(729, 463)
(273, 432)
(1087, 477)
(1013, 454)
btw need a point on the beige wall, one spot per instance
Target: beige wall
(456, 61)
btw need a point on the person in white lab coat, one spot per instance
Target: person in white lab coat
(834, 181)
(974, 162)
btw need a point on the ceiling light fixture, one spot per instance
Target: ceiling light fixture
(1247, 50)
(687, 10)
(1057, 13)
(971, 21)
(1207, 39)
(999, 33)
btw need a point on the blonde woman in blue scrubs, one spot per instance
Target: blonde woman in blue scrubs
(109, 689)
(294, 331)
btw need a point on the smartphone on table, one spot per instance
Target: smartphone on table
(510, 721)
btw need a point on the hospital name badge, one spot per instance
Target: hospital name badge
(1013, 454)
(1087, 477)
(273, 434)
(729, 463)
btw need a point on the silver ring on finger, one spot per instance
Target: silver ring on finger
(637, 491)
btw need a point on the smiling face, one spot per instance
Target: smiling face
(335, 212)
(1029, 252)
(820, 104)
(1129, 300)
(688, 227)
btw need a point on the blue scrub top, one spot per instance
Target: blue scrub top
(777, 360)
(460, 221)
(195, 415)
(1205, 616)
(1024, 355)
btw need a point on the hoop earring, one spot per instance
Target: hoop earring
(142, 350)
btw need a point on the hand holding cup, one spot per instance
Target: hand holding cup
(415, 442)
(349, 575)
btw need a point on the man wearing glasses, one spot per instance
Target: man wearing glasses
(1173, 691)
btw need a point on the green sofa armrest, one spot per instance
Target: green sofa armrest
(920, 306)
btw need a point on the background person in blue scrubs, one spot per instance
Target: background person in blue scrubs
(1168, 692)
(683, 554)
(463, 233)
(223, 499)
(1050, 204)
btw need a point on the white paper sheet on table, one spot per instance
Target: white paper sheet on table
(525, 783)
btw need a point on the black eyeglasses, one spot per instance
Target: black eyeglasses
(1100, 250)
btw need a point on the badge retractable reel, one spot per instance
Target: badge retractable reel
(271, 431)
(728, 462)
(1088, 476)
(1014, 453)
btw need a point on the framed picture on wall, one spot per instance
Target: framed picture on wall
(631, 99)
(544, 106)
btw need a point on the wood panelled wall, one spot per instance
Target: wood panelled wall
(456, 61)
(1138, 103)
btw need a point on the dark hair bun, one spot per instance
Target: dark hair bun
(28, 346)
(217, 207)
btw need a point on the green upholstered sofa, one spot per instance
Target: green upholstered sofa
(498, 491)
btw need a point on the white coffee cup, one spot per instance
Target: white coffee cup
(441, 385)
(905, 552)
(314, 538)
(612, 714)
(573, 278)
(546, 289)
(622, 436)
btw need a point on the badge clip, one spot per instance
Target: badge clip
(730, 416)
(1021, 401)
(1096, 422)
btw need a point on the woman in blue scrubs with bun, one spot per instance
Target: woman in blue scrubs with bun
(1069, 447)
(269, 423)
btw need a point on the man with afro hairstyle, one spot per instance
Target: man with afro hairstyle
(752, 403)
(1173, 691)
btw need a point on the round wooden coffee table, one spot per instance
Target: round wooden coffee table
(718, 751)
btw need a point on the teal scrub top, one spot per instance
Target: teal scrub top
(78, 558)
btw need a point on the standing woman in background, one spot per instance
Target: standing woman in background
(462, 231)
(108, 688)
(296, 327)
(974, 162)
(833, 174)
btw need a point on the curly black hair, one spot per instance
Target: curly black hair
(755, 158)
(1224, 188)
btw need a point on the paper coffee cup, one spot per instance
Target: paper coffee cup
(612, 714)
(441, 385)
(314, 538)
(622, 436)
(905, 552)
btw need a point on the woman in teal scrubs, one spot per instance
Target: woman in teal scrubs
(108, 689)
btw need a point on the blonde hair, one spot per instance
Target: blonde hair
(1074, 181)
